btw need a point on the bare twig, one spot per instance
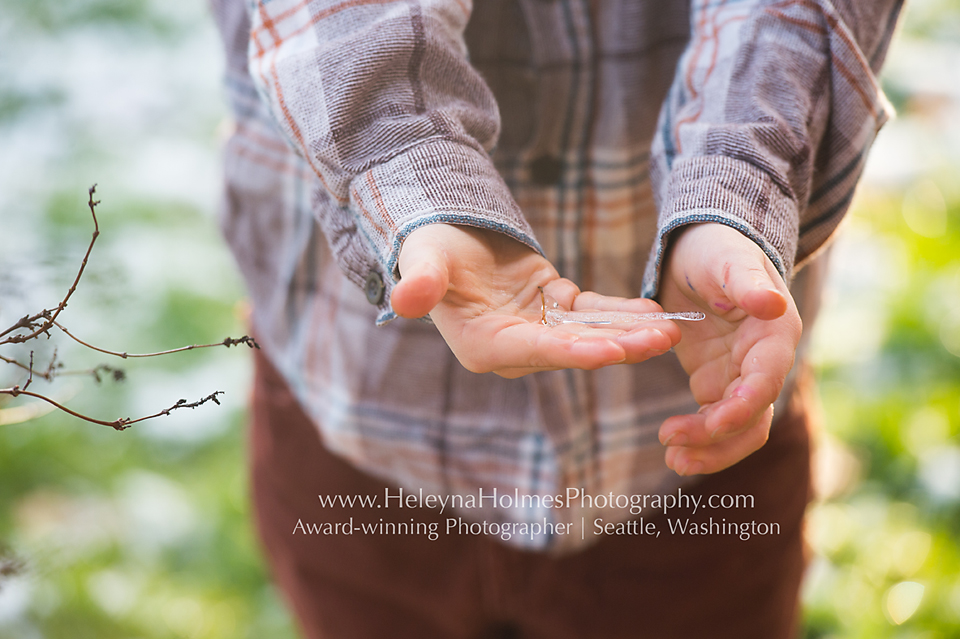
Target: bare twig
(47, 375)
(118, 374)
(30, 327)
(228, 342)
(117, 424)
(54, 370)
(30, 368)
(53, 367)
(10, 360)
(40, 323)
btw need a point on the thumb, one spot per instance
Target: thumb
(424, 278)
(755, 286)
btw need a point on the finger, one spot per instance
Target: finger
(589, 300)
(527, 345)
(635, 353)
(700, 430)
(562, 291)
(713, 370)
(669, 330)
(751, 286)
(687, 460)
(763, 373)
(685, 430)
(640, 341)
(735, 414)
(746, 400)
(424, 281)
(511, 346)
(649, 340)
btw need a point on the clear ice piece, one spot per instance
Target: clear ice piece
(557, 316)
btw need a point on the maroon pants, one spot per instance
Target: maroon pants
(470, 586)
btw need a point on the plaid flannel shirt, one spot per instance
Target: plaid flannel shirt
(588, 130)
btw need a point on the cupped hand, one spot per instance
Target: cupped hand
(482, 291)
(738, 358)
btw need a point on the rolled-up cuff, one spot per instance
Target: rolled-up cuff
(732, 192)
(437, 181)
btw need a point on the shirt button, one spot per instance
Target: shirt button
(546, 170)
(373, 288)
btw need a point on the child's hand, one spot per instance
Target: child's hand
(481, 290)
(738, 358)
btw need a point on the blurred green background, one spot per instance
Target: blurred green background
(146, 533)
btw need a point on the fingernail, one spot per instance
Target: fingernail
(742, 391)
(656, 334)
(716, 430)
(646, 336)
(587, 346)
(675, 438)
(693, 468)
(562, 339)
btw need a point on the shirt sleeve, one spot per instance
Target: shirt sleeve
(768, 121)
(380, 99)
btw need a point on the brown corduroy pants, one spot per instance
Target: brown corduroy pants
(356, 586)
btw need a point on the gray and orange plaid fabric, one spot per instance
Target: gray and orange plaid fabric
(586, 129)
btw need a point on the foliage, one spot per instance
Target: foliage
(888, 560)
(147, 533)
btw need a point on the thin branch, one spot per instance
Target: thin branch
(118, 424)
(54, 370)
(9, 360)
(228, 342)
(30, 368)
(52, 367)
(181, 403)
(48, 316)
(41, 323)
(118, 374)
